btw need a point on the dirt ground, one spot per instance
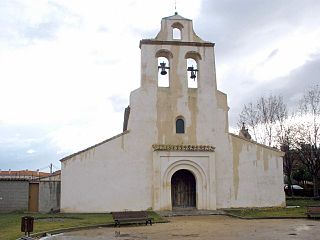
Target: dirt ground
(206, 227)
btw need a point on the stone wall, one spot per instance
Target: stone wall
(49, 196)
(257, 170)
(14, 195)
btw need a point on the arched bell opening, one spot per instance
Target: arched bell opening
(193, 58)
(163, 56)
(192, 73)
(176, 34)
(163, 72)
(183, 190)
(177, 31)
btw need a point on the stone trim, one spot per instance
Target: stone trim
(157, 42)
(192, 148)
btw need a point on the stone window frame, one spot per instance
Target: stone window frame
(178, 128)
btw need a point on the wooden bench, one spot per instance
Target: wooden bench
(313, 211)
(131, 217)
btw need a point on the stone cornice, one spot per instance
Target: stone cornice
(192, 148)
(178, 43)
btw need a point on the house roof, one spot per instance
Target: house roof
(23, 173)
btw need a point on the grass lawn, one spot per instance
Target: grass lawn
(277, 211)
(10, 222)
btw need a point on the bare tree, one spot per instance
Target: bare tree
(263, 117)
(249, 116)
(290, 161)
(308, 147)
(286, 138)
(271, 110)
(299, 139)
(285, 125)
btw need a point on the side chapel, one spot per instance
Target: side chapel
(175, 151)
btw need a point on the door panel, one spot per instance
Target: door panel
(183, 189)
(33, 197)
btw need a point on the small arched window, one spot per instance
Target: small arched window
(179, 125)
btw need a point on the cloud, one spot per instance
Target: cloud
(67, 67)
(119, 103)
(22, 22)
(272, 54)
(249, 30)
(30, 151)
(291, 87)
(260, 45)
(74, 137)
(18, 144)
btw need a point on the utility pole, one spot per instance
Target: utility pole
(50, 168)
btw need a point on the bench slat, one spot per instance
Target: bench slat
(131, 216)
(313, 211)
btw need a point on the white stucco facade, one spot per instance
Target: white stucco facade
(134, 170)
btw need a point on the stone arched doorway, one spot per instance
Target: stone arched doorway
(183, 190)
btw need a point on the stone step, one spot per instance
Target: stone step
(190, 213)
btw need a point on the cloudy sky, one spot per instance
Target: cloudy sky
(67, 66)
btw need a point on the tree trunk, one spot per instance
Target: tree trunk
(315, 186)
(290, 190)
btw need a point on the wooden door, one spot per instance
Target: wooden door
(33, 197)
(183, 189)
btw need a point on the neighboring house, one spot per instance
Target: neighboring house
(23, 174)
(175, 151)
(31, 191)
(55, 176)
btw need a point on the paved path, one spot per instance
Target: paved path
(207, 227)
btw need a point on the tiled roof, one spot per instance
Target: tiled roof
(24, 173)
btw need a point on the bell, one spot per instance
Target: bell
(192, 72)
(163, 68)
(163, 72)
(193, 75)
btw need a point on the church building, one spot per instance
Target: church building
(175, 151)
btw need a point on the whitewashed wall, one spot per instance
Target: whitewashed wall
(124, 173)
